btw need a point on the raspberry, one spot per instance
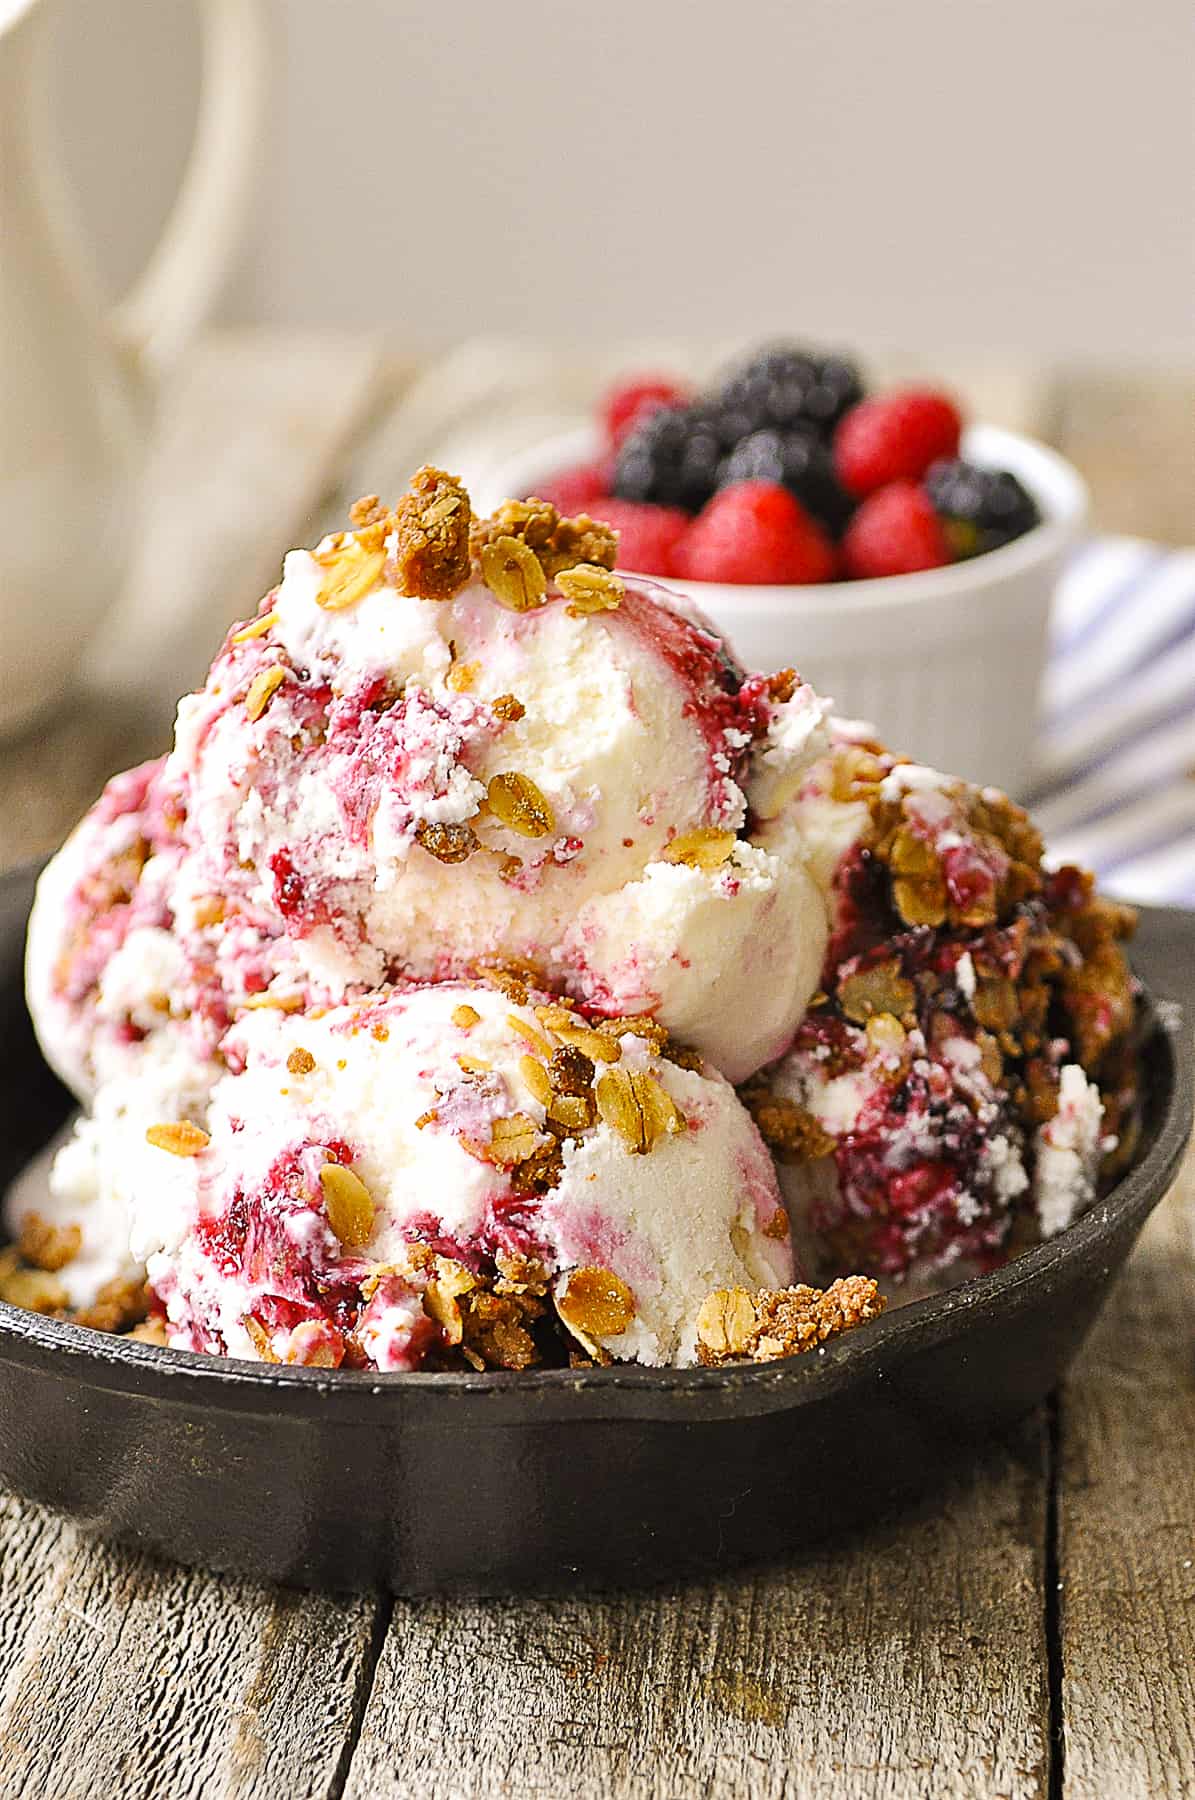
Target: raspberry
(895, 532)
(670, 459)
(800, 461)
(632, 400)
(755, 532)
(980, 509)
(783, 386)
(647, 535)
(577, 489)
(895, 437)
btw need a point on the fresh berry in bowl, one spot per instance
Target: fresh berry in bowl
(783, 386)
(671, 458)
(911, 575)
(895, 532)
(980, 509)
(648, 536)
(895, 437)
(800, 420)
(628, 404)
(754, 531)
(799, 459)
(583, 485)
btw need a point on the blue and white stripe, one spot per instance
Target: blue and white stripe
(1116, 789)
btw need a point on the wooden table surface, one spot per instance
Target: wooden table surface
(1028, 1632)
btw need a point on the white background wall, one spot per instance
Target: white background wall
(995, 174)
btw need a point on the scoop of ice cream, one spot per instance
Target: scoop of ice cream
(131, 964)
(452, 1169)
(82, 1189)
(397, 773)
(893, 1156)
(912, 1162)
(101, 963)
(583, 780)
(955, 1089)
(1069, 1149)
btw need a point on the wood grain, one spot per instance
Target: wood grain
(908, 1662)
(124, 1677)
(1127, 1515)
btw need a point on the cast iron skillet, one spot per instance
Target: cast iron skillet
(497, 1482)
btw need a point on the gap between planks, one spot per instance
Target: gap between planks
(910, 1659)
(126, 1676)
(1127, 1528)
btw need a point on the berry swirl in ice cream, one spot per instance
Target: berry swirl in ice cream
(566, 1182)
(966, 1069)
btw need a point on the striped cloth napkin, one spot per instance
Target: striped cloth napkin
(1116, 789)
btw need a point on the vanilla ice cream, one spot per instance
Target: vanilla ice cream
(488, 1127)
(103, 910)
(376, 784)
(86, 1181)
(599, 793)
(1069, 1149)
(129, 966)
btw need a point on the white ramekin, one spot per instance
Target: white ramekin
(947, 664)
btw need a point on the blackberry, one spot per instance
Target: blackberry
(799, 460)
(980, 509)
(670, 459)
(783, 386)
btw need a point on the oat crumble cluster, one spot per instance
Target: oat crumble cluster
(497, 976)
(967, 1073)
(735, 1325)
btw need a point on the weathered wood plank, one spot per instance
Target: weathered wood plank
(1127, 1528)
(910, 1661)
(120, 1675)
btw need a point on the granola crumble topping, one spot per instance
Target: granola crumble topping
(787, 1128)
(180, 1137)
(705, 848)
(517, 803)
(348, 1204)
(261, 690)
(735, 1325)
(352, 572)
(594, 1303)
(447, 843)
(28, 1279)
(508, 709)
(556, 543)
(430, 527)
(46, 1246)
(962, 976)
(589, 588)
